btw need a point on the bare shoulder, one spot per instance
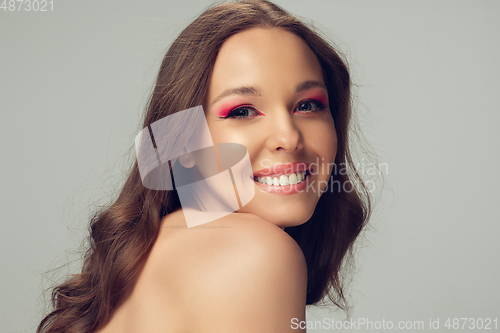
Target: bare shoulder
(239, 273)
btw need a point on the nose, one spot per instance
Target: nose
(284, 135)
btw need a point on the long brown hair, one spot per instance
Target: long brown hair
(121, 236)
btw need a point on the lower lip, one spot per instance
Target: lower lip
(287, 189)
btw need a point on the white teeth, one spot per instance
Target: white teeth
(276, 181)
(283, 180)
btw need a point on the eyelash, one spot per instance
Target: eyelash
(321, 105)
(232, 113)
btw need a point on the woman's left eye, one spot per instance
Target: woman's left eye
(310, 105)
(242, 112)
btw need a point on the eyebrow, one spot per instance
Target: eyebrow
(246, 90)
(309, 85)
(238, 91)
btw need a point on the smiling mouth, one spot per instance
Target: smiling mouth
(283, 180)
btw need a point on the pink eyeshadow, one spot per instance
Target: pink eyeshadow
(224, 109)
(320, 97)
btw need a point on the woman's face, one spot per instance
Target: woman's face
(267, 93)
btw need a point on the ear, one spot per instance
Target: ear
(187, 161)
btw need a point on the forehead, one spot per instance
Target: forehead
(266, 58)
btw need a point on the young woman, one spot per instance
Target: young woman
(268, 82)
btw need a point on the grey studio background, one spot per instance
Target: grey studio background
(74, 82)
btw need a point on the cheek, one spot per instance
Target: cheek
(246, 136)
(221, 132)
(322, 137)
(331, 144)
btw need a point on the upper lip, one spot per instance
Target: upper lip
(282, 169)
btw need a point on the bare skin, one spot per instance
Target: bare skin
(243, 273)
(236, 274)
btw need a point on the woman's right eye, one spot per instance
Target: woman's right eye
(242, 112)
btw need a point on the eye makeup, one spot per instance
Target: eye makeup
(226, 108)
(239, 112)
(233, 113)
(224, 112)
(317, 96)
